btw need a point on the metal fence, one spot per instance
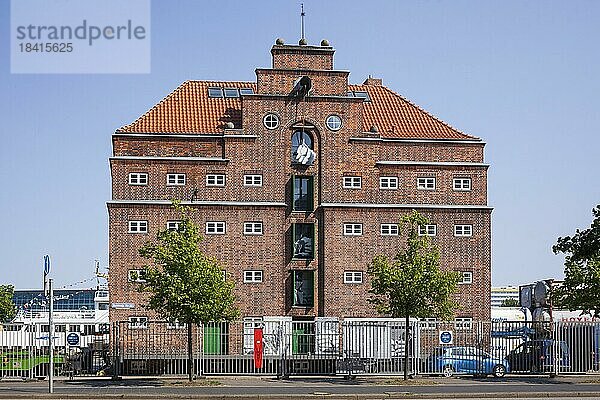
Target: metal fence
(325, 346)
(24, 351)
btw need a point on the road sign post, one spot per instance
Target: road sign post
(49, 292)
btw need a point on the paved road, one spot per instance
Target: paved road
(330, 388)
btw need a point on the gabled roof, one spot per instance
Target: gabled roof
(188, 109)
(396, 117)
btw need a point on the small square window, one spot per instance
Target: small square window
(388, 182)
(428, 230)
(461, 184)
(136, 275)
(138, 227)
(175, 179)
(463, 323)
(352, 229)
(428, 323)
(252, 276)
(215, 180)
(215, 228)
(215, 92)
(246, 91)
(176, 325)
(253, 228)
(426, 183)
(173, 225)
(353, 277)
(253, 180)
(231, 92)
(463, 230)
(138, 178)
(467, 278)
(138, 322)
(389, 229)
(352, 182)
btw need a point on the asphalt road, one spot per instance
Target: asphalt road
(254, 387)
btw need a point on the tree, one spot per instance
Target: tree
(510, 302)
(7, 307)
(581, 287)
(412, 284)
(186, 285)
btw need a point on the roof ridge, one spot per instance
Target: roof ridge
(181, 85)
(213, 81)
(425, 111)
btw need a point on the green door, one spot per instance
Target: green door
(212, 340)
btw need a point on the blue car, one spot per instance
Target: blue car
(466, 360)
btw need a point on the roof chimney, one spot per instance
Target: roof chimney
(373, 81)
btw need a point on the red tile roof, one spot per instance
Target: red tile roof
(188, 109)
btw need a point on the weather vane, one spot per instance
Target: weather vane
(302, 14)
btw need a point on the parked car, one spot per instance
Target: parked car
(469, 360)
(537, 356)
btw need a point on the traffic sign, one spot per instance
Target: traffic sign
(446, 337)
(73, 339)
(46, 264)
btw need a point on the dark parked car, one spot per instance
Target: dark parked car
(469, 360)
(537, 356)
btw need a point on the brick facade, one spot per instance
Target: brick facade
(187, 133)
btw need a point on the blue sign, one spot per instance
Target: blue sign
(446, 337)
(73, 339)
(46, 264)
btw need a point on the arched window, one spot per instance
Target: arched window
(302, 148)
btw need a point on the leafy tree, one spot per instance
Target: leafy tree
(412, 284)
(186, 285)
(7, 307)
(581, 288)
(510, 302)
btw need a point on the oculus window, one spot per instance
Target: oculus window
(333, 122)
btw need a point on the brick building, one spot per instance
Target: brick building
(298, 179)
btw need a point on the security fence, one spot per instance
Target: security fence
(24, 351)
(325, 346)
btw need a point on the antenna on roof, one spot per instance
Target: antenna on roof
(302, 14)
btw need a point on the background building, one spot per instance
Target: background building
(499, 294)
(298, 180)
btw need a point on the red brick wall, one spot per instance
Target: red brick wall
(324, 83)
(165, 147)
(302, 57)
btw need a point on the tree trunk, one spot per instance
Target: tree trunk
(406, 347)
(189, 349)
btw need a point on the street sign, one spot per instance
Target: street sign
(446, 337)
(46, 264)
(73, 339)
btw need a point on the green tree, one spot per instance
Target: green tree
(581, 288)
(510, 302)
(184, 284)
(7, 307)
(412, 284)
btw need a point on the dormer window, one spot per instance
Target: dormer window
(215, 92)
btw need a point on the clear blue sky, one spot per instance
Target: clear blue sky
(521, 75)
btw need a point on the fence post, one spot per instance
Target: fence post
(116, 343)
(556, 348)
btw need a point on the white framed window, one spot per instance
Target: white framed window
(353, 277)
(175, 179)
(138, 322)
(463, 230)
(334, 122)
(388, 182)
(138, 178)
(389, 229)
(428, 230)
(461, 184)
(173, 225)
(253, 276)
(428, 323)
(353, 229)
(176, 325)
(215, 180)
(426, 183)
(271, 121)
(463, 323)
(224, 274)
(467, 278)
(253, 228)
(138, 227)
(253, 180)
(136, 275)
(352, 182)
(215, 228)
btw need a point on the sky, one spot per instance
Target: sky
(523, 76)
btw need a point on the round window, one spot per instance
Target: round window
(271, 121)
(334, 122)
